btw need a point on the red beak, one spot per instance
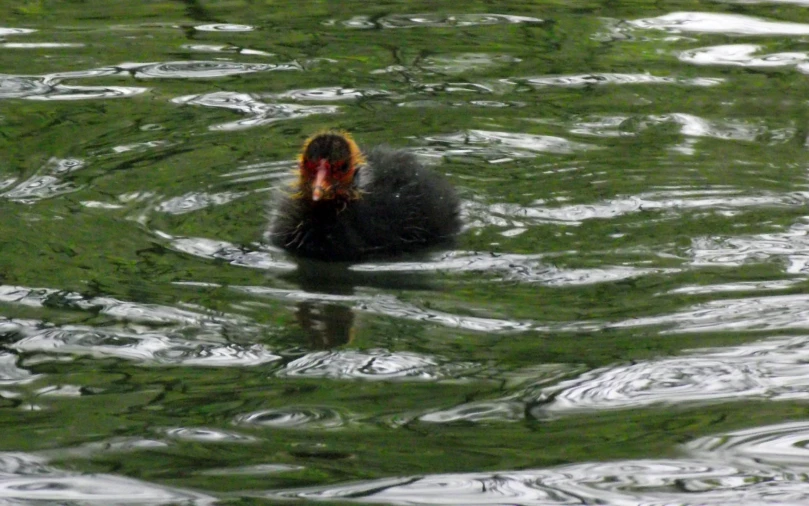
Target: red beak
(321, 186)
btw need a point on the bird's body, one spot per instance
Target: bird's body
(383, 205)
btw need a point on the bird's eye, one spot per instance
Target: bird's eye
(310, 165)
(340, 165)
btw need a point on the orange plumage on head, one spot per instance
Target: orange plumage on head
(355, 160)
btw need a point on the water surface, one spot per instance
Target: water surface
(623, 319)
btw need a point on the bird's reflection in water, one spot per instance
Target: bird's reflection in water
(326, 324)
(330, 324)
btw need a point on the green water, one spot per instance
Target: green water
(623, 204)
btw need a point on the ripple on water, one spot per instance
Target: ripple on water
(671, 201)
(28, 480)
(10, 374)
(790, 246)
(281, 169)
(121, 310)
(457, 87)
(140, 146)
(435, 20)
(766, 313)
(495, 146)
(198, 69)
(775, 369)
(372, 365)
(207, 435)
(512, 267)
(779, 446)
(113, 445)
(690, 126)
(257, 469)
(328, 94)
(227, 48)
(742, 286)
(224, 27)
(147, 347)
(48, 88)
(22, 87)
(478, 412)
(740, 55)
(14, 31)
(60, 391)
(46, 183)
(39, 45)
(195, 201)
(453, 64)
(391, 306)
(582, 80)
(670, 381)
(293, 417)
(259, 113)
(648, 482)
(234, 255)
(712, 22)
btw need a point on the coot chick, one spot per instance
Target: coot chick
(347, 205)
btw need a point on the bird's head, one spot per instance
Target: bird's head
(327, 165)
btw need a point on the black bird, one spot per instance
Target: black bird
(350, 206)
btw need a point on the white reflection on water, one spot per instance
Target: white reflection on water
(777, 446)
(741, 55)
(293, 417)
(123, 310)
(196, 69)
(168, 347)
(28, 479)
(582, 80)
(258, 112)
(766, 313)
(46, 183)
(140, 146)
(14, 31)
(744, 468)
(194, 201)
(224, 27)
(719, 198)
(496, 146)
(775, 369)
(434, 20)
(39, 45)
(250, 470)
(742, 286)
(327, 94)
(465, 62)
(373, 365)
(206, 435)
(497, 266)
(11, 374)
(281, 169)
(712, 22)
(391, 306)
(49, 88)
(753, 2)
(790, 246)
(689, 126)
(227, 48)
(188, 338)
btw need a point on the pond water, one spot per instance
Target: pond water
(624, 320)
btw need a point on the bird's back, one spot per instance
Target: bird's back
(405, 206)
